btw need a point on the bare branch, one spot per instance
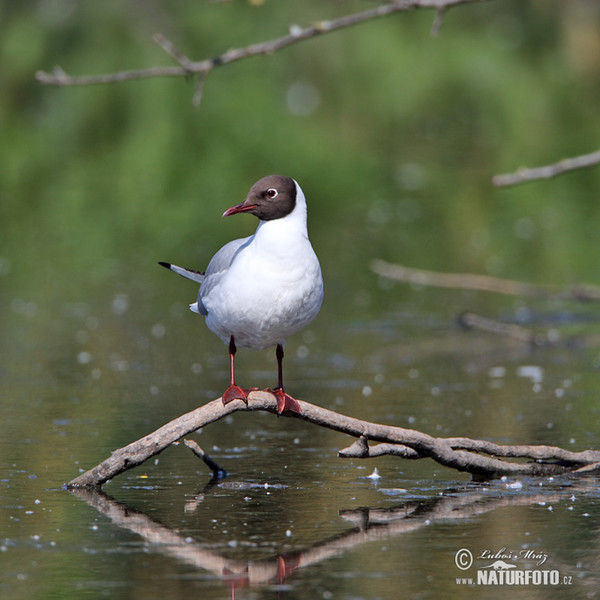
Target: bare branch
(525, 174)
(361, 449)
(203, 67)
(483, 283)
(480, 458)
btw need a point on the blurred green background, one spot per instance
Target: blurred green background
(394, 136)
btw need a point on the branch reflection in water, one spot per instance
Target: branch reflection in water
(368, 525)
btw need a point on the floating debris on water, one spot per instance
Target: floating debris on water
(374, 476)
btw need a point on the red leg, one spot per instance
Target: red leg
(233, 392)
(285, 402)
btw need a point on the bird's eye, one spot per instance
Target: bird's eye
(272, 193)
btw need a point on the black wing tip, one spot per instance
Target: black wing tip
(166, 265)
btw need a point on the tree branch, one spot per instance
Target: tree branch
(484, 460)
(525, 174)
(483, 283)
(470, 320)
(203, 67)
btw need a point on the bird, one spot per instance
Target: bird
(258, 290)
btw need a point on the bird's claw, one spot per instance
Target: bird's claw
(285, 402)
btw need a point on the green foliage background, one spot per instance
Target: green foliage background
(396, 157)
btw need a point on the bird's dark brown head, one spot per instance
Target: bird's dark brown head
(272, 197)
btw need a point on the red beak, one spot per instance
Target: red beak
(239, 208)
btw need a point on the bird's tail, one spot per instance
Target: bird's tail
(196, 276)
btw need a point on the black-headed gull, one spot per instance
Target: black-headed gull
(260, 289)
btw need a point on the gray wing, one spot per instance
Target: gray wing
(217, 267)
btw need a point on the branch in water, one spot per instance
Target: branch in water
(484, 460)
(483, 283)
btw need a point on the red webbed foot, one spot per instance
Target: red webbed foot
(285, 402)
(234, 392)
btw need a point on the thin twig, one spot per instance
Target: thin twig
(484, 283)
(203, 67)
(172, 51)
(199, 89)
(438, 20)
(217, 471)
(480, 458)
(525, 174)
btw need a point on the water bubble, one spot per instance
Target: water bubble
(302, 352)
(497, 372)
(118, 364)
(158, 330)
(533, 372)
(525, 228)
(197, 368)
(83, 358)
(120, 304)
(81, 336)
(92, 322)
